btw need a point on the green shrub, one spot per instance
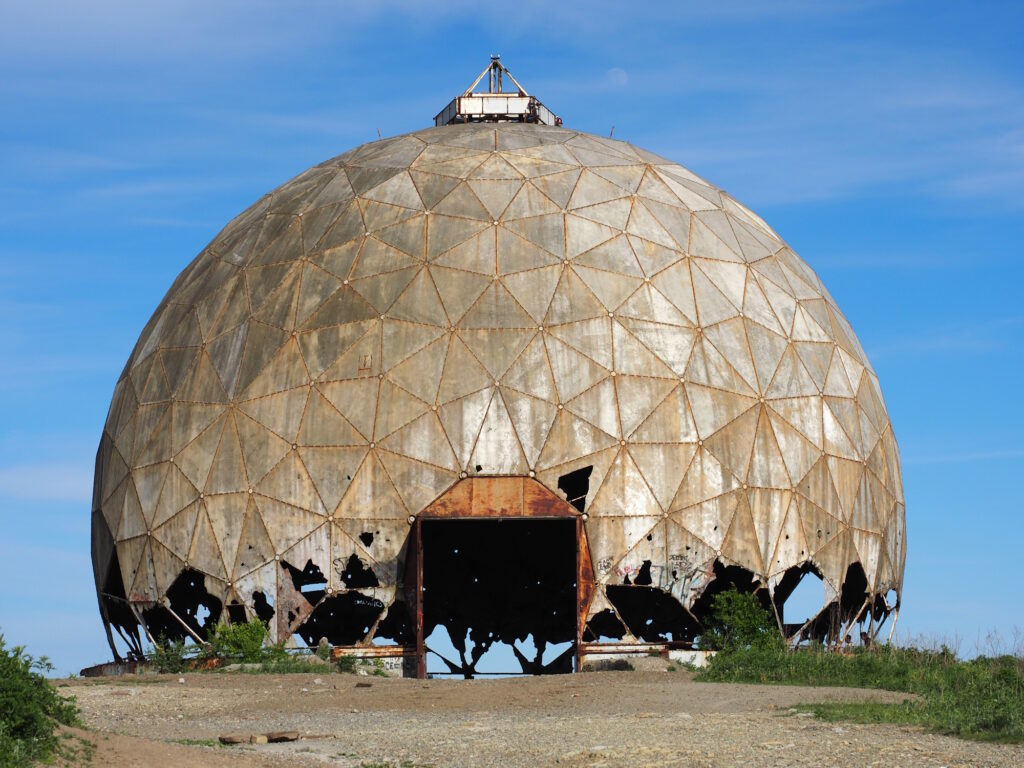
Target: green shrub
(168, 656)
(323, 650)
(288, 663)
(347, 664)
(30, 709)
(240, 643)
(739, 622)
(246, 643)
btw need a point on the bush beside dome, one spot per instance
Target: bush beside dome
(489, 300)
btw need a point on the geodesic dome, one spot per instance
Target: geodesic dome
(479, 301)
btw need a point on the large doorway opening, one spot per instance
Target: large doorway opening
(500, 591)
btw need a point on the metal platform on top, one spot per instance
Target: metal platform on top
(496, 105)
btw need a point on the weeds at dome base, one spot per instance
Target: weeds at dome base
(980, 699)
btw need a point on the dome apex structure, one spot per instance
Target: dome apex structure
(494, 326)
(496, 105)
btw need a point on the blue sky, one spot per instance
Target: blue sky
(883, 140)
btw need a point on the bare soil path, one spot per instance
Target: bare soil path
(633, 719)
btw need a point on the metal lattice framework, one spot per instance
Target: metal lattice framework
(491, 300)
(496, 105)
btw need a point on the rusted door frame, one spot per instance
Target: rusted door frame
(421, 642)
(498, 498)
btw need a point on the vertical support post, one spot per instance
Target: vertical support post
(895, 615)
(421, 644)
(581, 600)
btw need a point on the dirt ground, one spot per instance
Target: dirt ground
(635, 719)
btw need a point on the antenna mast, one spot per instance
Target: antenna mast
(496, 105)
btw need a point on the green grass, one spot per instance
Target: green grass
(249, 644)
(866, 712)
(290, 664)
(228, 644)
(198, 742)
(979, 699)
(74, 749)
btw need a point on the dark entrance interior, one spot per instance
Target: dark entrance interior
(501, 580)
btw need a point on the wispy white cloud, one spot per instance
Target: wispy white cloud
(40, 159)
(965, 458)
(22, 370)
(616, 77)
(838, 116)
(124, 30)
(163, 187)
(844, 119)
(47, 482)
(167, 222)
(332, 122)
(29, 311)
(885, 259)
(978, 338)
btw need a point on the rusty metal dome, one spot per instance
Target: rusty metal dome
(493, 300)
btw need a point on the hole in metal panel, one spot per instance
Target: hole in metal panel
(575, 485)
(310, 581)
(355, 573)
(262, 607)
(343, 619)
